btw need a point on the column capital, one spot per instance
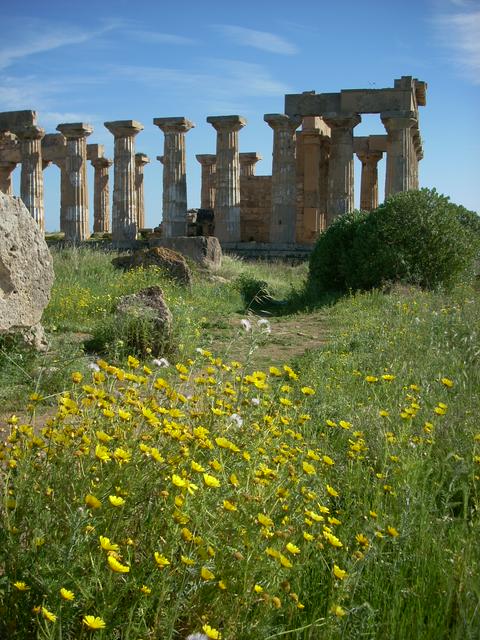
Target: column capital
(95, 151)
(395, 120)
(101, 163)
(75, 130)
(282, 121)
(342, 120)
(141, 159)
(30, 132)
(160, 159)
(174, 125)
(124, 128)
(206, 158)
(250, 157)
(369, 157)
(227, 123)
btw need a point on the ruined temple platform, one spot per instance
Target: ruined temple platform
(268, 251)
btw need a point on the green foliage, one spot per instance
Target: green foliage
(254, 292)
(416, 237)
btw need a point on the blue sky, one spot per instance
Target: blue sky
(103, 60)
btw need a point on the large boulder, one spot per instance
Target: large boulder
(204, 250)
(146, 321)
(26, 271)
(170, 262)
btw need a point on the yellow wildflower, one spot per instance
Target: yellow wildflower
(92, 501)
(117, 566)
(146, 590)
(264, 520)
(338, 611)
(207, 574)
(447, 382)
(107, 545)
(94, 622)
(66, 594)
(308, 468)
(212, 633)
(332, 491)
(392, 532)
(293, 549)
(211, 481)
(48, 615)
(21, 586)
(229, 506)
(161, 560)
(341, 574)
(116, 501)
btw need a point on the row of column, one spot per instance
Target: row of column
(220, 174)
(74, 214)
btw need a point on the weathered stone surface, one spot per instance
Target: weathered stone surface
(148, 305)
(26, 271)
(171, 262)
(205, 251)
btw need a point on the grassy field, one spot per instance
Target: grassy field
(313, 476)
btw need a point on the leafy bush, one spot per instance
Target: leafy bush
(416, 237)
(254, 292)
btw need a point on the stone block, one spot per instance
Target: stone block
(26, 271)
(203, 250)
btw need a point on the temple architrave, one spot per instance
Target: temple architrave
(311, 184)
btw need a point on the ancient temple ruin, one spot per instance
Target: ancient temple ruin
(311, 184)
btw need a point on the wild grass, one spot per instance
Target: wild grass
(336, 496)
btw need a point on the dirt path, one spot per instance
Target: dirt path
(290, 337)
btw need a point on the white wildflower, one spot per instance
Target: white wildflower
(246, 324)
(93, 366)
(236, 418)
(161, 362)
(256, 401)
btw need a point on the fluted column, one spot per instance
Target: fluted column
(399, 150)
(140, 161)
(101, 195)
(207, 196)
(75, 204)
(227, 196)
(341, 166)
(6, 169)
(174, 175)
(369, 183)
(284, 178)
(124, 209)
(31, 178)
(247, 163)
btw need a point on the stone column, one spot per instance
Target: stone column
(284, 186)
(341, 167)
(31, 178)
(369, 184)
(6, 169)
(101, 195)
(248, 162)
(399, 155)
(208, 162)
(174, 175)
(227, 195)
(75, 198)
(124, 210)
(140, 161)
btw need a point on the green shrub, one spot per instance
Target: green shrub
(254, 292)
(416, 237)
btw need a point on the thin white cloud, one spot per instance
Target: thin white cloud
(225, 79)
(155, 37)
(460, 32)
(37, 36)
(262, 40)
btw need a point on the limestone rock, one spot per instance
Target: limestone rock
(204, 250)
(147, 306)
(171, 262)
(26, 271)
